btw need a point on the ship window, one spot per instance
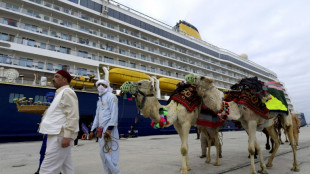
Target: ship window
(82, 71)
(46, 18)
(64, 50)
(132, 54)
(10, 22)
(109, 48)
(83, 54)
(5, 36)
(15, 95)
(110, 37)
(132, 65)
(59, 67)
(143, 57)
(29, 62)
(55, 20)
(50, 67)
(40, 65)
(122, 52)
(143, 67)
(64, 36)
(121, 62)
(75, 1)
(110, 25)
(152, 69)
(44, 31)
(52, 47)
(43, 45)
(40, 98)
(108, 60)
(161, 71)
(12, 7)
(22, 61)
(36, 1)
(122, 40)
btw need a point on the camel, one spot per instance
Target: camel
(250, 120)
(177, 115)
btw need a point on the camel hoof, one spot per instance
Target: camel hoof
(217, 164)
(268, 147)
(253, 172)
(220, 156)
(262, 171)
(269, 165)
(208, 160)
(183, 171)
(295, 169)
(188, 168)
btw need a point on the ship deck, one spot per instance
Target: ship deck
(161, 154)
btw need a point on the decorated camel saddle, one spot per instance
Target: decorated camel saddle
(209, 119)
(186, 95)
(261, 97)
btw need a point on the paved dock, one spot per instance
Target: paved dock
(161, 155)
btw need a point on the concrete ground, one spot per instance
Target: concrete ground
(161, 155)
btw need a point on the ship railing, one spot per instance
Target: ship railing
(236, 56)
(139, 13)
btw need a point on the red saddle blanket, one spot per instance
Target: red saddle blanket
(248, 99)
(188, 97)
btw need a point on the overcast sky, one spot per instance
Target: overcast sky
(274, 34)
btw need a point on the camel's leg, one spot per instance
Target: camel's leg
(276, 145)
(217, 145)
(289, 130)
(285, 133)
(261, 159)
(279, 133)
(208, 158)
(252, 124)
(183, 131)
(267, 139)
(220, 147)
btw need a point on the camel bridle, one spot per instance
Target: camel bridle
(137, 92)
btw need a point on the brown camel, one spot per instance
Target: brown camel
(250, 120)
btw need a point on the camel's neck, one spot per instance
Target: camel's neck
(151, 108)
(213, 99)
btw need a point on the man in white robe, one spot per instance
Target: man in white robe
(107, 118)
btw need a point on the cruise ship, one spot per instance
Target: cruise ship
(101, 39)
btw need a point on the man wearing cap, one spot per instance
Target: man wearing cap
(106, 121)
(61, 123)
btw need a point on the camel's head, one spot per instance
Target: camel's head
(206, 89)
(140, 89)
(202, 83)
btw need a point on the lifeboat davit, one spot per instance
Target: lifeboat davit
(168, 84)
(119, 76)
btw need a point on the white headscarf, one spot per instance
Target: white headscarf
(106, 83)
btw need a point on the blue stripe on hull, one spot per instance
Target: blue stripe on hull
(18, 126)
